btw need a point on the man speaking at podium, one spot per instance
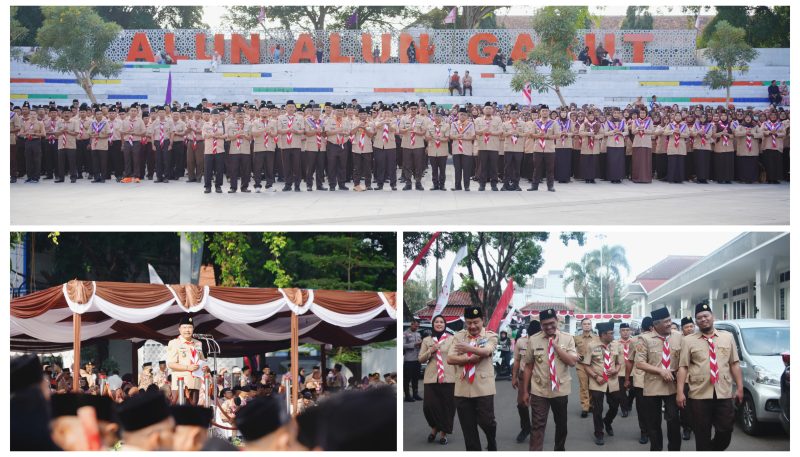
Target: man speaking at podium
(184, 358)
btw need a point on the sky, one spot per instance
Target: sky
(643, 249)
(212, 15)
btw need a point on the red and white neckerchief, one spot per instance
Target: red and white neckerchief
(439, 359)
(665, 354)
(724, 128)
(385, 133)
(591, 137)
(161, 134)
(514, 137)
(52, 136)
(678, 131)
(31, 128)
(214, 141)
(130, 135)
(111, 130)
(351, 136)
(193, 351)
(339, 137)
(80, 122)
(413, 135)
(289, 123)
(712, 360)
(617, 128)
(438, 140)
(565, 127)
(193, 126)
(606, 362)
(315, 124)
(97, 129)
(749, 140)
(361, 140)
(469, 368)
(555, 386)
(642, 126)
(544, 128)
(64, 138)
(625, 349)
(773, 128)
(461, 129)
(239, 128)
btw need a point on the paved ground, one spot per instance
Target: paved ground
(604, 203)
(579, 437)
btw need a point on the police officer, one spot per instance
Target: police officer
(603, 360)
(412, 341)
(658, 353)
(709, 362)
(582, 341)
(471, 352)
(548, 356)
(184, 354)
(687, 328)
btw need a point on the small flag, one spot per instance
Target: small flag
(169, 90)
(352, 21)
(444, 296)
(502, 305)
(154, 277)
(451, 17)
(262, 15)
(526, 93)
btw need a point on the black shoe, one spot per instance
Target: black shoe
(394, 187)
(13, 180)
(518, 189)
(443, 440)
(522, 435)
(332, 189)
(190, 180)
(73, 180)
(533, 188)
(608, 428)
(407, 186)
(434, 188)
(466, 189)
(245, 190)
(48, 177)
(598, 440)
(322, 188)
(441, 187)
(418, 186)
(456, 188)
(207, 191)
(29, 180)
(643, 439)
(551, 189)
(481, 188)
(431, 438)
(57, 180)
(408, 399)
(417, 397)
(378, 187)
(309, 188)
(97, 180)
(625, 413)
(342, 187)
(584, 413)
(504, 188)
(218, 190)
(231, 191)
(297, 189)
(35, 180)
(287, 188)
(687, 434)
(164, 180)
(494, 187)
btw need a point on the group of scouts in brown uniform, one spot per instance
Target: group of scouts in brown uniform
(689, 376)
(345, 143)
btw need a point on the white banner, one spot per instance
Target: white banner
(444, 295)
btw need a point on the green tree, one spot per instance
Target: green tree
(416, 294)
(477, 17)
(378, 17)
(306, 18)
(557, 28)
(18, 31)
(637, 18)
(74, 40)
(728, 50)
(492, 257)
(577, 276)
(29, 17)
(153, 17)
(733, 15)
(607, 264)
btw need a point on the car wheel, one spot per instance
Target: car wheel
(747, 416)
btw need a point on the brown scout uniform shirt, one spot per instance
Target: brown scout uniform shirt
(778, 130)
(694, 356)
(178, 351)
(378, 126)
(243, 131)
(298, 127)
(417, 124)
(483, 384)
(358, 140)
(518, 129)
(467, 131)
(649, 349)
(546, 128)
(443, 135)
(101, 143)
(536, 354)
(669, 132)
(487, 133)
(209, 131)
(594, 357)
(585, 133)
(428, 355)
(310, 142)
(741, 133)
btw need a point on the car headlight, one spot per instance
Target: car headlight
(765, 377)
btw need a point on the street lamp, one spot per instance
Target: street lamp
(602, 238)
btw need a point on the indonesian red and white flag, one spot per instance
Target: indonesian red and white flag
(451, 16)
(502, 306)
(444, 295)
(526, 93)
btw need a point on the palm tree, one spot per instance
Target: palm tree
(578, 276)
(613, 260)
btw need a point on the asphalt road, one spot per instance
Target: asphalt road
(580, 435)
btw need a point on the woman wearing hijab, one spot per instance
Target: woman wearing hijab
(723, 150)
(563, 159)
(438, 404)
(748, 139)
(703, 133)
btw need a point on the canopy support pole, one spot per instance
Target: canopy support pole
(76, 349)
(295, 362)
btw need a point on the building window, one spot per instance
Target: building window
(740, 309)
(725, 295)
(784, 277)
(739, 291)
(782, 303)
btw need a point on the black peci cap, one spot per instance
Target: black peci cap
(26, 370)
(624, 325)
(660, 313)
(472, 312)
(104, 407)
(197, 416)
(686, 320)
(143, 410)
(260, 417)
(64, 405)
(604, 327)
(701, 307)
(549, 313)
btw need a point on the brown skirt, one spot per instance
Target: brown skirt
(439, 406)
(642, 169)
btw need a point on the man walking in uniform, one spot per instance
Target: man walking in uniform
(709, 361)
(636, 381)
(548, 356)
(603, 360)
(472, 350)
(687, 328)
(625, 392)
(658, 353)
(582, 341)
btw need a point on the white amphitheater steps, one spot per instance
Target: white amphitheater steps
(602, 86)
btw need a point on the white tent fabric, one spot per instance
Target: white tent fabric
(58, 333)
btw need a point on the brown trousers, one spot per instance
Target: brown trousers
(583, 381)
(194, 159)
(718, 413)
(539, 410)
